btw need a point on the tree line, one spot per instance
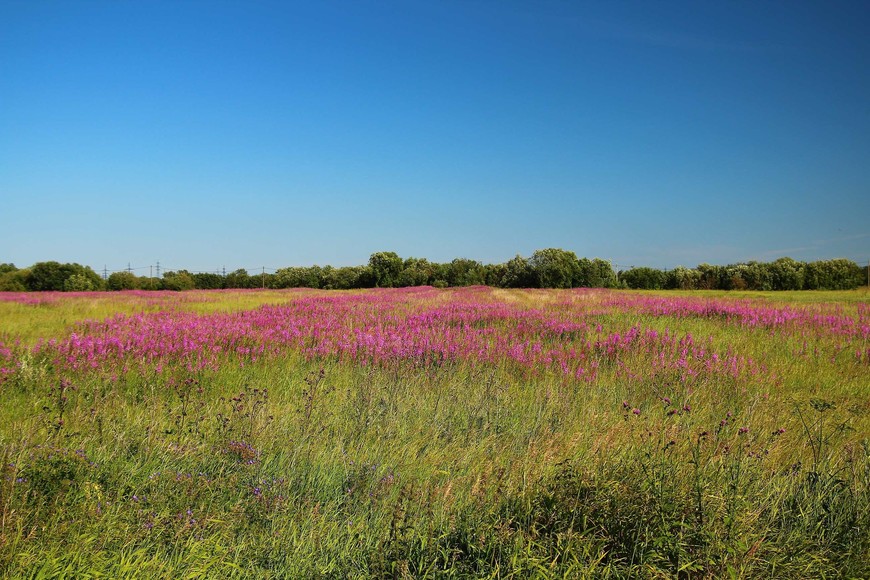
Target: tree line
(548, 268)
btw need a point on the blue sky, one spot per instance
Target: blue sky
(247, 134)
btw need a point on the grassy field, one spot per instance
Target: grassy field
(418, 432)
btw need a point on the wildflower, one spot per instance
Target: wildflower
(636, 411)
(743, 430)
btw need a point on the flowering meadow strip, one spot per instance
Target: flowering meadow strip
(747, 313)
(145, 297)
(424, 326)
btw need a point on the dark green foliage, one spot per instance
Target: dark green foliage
(14, 281)
(836, 274)
(208, 281)
(711, 277)
(237, 279)
(548, 268)
(787, 274)
(417, 272)
(464, 272)
(518, 274)
(386, 268)
(178, 281)
(298, 277)
(122, 281)
(556, 268)
(595, 273)
(346, 278)
(62, 277)
(644, 278)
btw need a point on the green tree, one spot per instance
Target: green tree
(758, 276)
(53, 276)
(518, 274)
(208, 281)
(14, 281)
(178, 281)
(836, 274)
(595, 273)
(416, 272)
(644, 278)
(122, 281)
(344, 278)
(554, 268)
(682, 278)
(787, 274)
(712, 277)
(386, 268)
(238, 279)
(465, 272)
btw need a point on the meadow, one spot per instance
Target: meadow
(422, 432)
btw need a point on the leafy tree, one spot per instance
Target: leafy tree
(416, 272)
(712, 277)
(344, 278)
(837, 274)
(644, 278)
(6, 268)
(299, 277)
(238, 279)
(465, 272)
(758, 276)
(78, 283)
(386, 267)
(494, 274)
(518, 274)
(178, 281)
(682, 278)
(207, 281)
(595, 273)
(603, 274)
(122, 281)
(787, 274)
(45, 276)
(14, 281)
(554, 268)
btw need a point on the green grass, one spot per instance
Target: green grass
(344, 471)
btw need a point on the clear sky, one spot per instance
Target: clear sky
(248, 134)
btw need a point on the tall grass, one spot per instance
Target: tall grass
(326, 457)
